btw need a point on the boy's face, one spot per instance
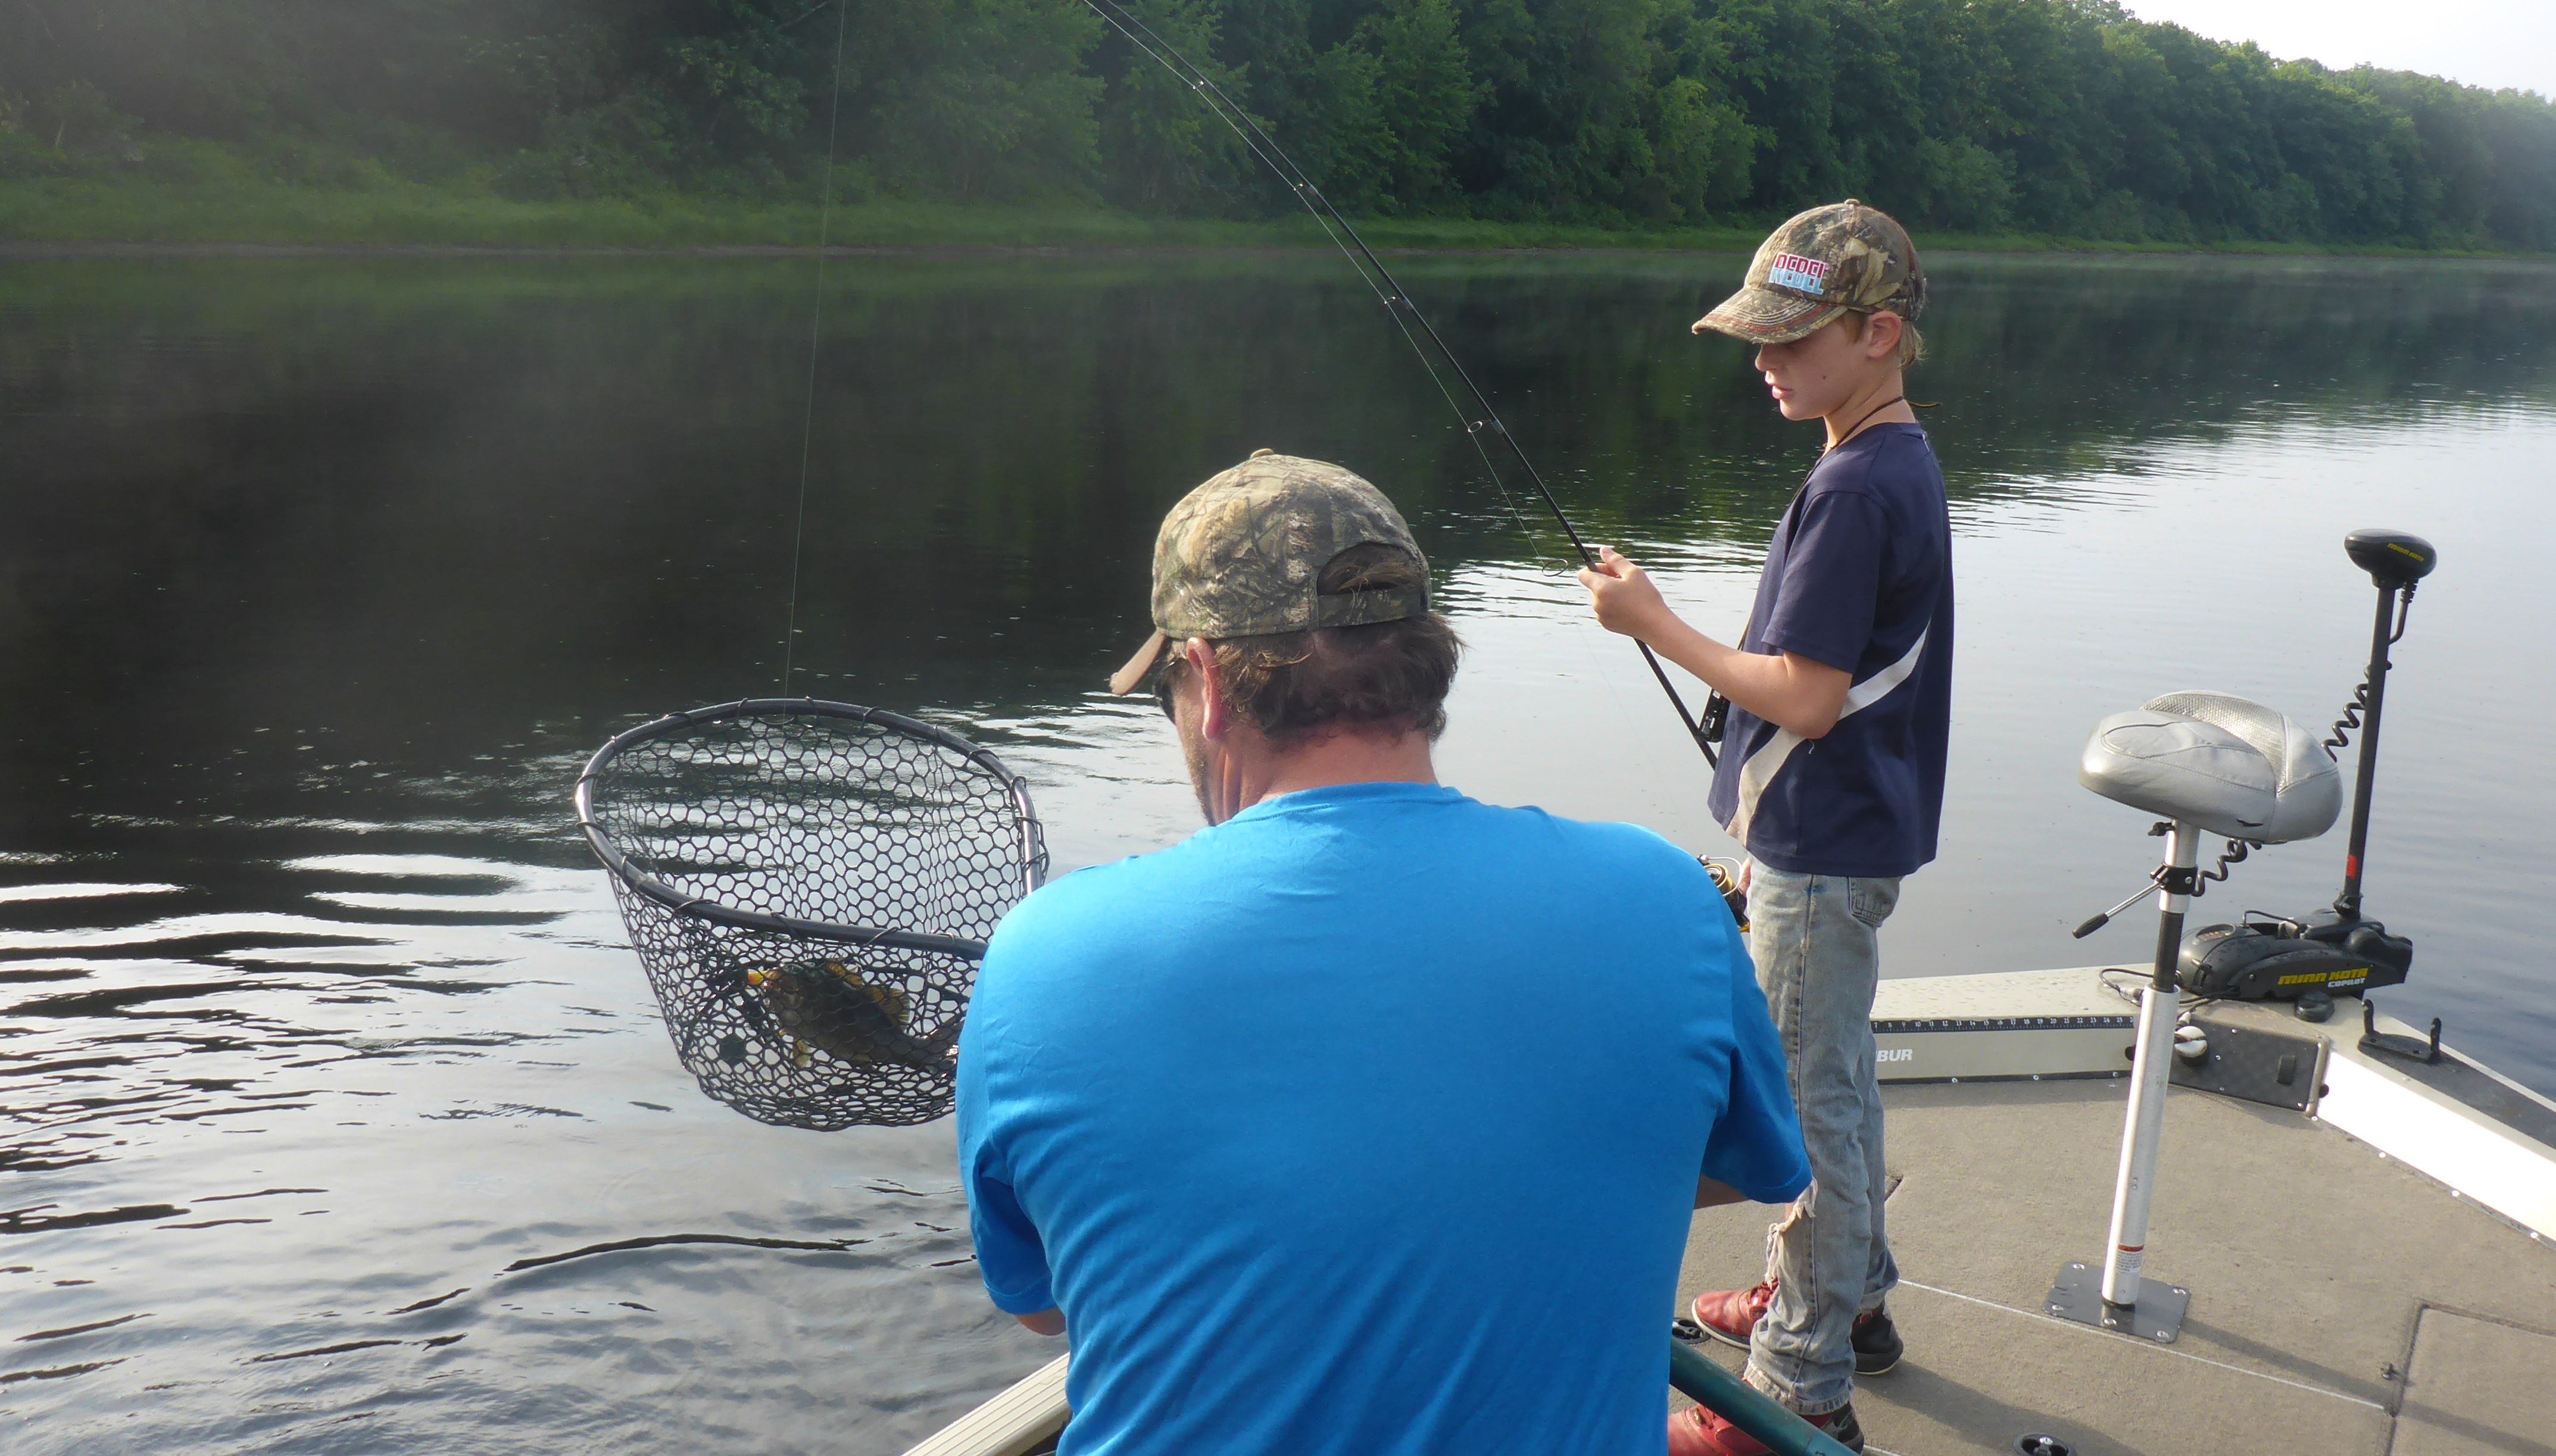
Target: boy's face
(1814, 377)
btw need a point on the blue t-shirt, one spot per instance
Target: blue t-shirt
(1368, 1121)
(1860, 577)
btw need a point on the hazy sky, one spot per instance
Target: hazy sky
(2484, 42)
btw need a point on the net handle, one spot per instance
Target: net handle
(694, 907)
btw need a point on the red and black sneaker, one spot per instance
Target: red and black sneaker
(1699, 1432)
(1731, 1315)
(1877, 1346)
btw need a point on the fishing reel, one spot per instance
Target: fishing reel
(1725, 877)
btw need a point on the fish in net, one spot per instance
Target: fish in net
(809, 886)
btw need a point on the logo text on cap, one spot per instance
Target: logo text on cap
(1792, 271)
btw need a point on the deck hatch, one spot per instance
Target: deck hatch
(2254, 1064)
(2476, 1385)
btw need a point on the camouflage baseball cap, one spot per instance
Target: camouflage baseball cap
(1816, 267)
(1242, 555)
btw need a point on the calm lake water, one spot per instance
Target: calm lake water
(339, 1116)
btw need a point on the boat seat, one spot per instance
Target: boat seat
(2231, 765)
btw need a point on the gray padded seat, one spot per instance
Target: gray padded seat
(2229, 766)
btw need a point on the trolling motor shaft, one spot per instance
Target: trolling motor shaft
(2394, 562)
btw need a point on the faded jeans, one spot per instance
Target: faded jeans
(1814, 938)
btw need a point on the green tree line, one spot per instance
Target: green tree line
(2060, 116)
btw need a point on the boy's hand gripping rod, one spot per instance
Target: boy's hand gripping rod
(1482, 418)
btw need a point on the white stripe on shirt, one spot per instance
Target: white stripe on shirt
(1761, 768)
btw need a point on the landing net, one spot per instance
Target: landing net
(809, 886)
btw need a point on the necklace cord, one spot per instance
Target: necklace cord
(1389, 291)
(1866, 416)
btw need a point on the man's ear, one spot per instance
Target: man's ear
(1216, 719)
(1881, 334)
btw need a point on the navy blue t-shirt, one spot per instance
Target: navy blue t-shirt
(1860, 577)
(1366, 1122)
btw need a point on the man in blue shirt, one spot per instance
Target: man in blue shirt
(1832, 773)
(1368, 1119)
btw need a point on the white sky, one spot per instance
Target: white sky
(2484, 42)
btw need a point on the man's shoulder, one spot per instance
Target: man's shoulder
(1042, 957)
(1601, 843)
(1599, 866)
(1630, 845)
(1098, 892)
(1096, 910)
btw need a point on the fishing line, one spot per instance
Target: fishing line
(1398, 305)
(816, 336)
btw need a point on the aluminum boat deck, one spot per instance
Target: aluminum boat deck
(2374, 1272)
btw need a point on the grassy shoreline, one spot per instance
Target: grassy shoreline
(104, 216)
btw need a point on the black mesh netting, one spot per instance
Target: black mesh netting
(809, 886)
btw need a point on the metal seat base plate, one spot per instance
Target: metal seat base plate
(2077, 1294)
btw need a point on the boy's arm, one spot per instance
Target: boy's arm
(1791, 691)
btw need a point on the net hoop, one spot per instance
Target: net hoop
(694, 907)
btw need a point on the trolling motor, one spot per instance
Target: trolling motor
(2336, 950)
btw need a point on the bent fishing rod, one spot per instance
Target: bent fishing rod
(1479, 421)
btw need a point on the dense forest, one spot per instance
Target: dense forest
(2068, 117)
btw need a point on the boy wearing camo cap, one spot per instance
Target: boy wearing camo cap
(1832, 773)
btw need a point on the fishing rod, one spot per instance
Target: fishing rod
(1482, 418)
(815, 339)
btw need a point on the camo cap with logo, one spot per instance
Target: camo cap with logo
(1242, 556)
(1816, 267)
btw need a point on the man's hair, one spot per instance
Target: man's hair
(1912, 344)
(1382, 677)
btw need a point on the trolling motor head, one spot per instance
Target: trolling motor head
(2394, 559)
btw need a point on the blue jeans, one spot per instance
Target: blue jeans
(1814, 938)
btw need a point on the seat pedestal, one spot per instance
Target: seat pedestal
(2124, 1299)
